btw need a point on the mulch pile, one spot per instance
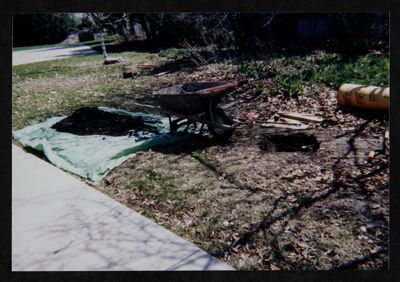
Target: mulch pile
(92, 121)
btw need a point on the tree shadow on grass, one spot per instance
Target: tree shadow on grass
(303, 203)
(79, 53)
(175, 66)
(353, 264)
(124, 46)
(193, 143)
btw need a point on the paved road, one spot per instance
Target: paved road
(61, 224)
(52, 53)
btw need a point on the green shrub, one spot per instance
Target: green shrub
(368, 70)
(172, 53)
(290, 83)
(254, 69)
(293, 74)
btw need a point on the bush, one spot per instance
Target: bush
(369, 70)
(292, 74)
(289, 83)
(172, 53)
(254, 69)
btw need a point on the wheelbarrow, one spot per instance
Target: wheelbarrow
(196, 102)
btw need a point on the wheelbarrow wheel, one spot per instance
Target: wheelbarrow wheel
(220, 117)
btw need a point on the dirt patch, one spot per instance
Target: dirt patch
(275, 200)
(272, 200)
(290, 142)
(92, 121)
(258, 209)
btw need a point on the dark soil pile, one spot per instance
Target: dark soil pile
(92, 121)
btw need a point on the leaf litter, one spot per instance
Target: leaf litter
(313, 207)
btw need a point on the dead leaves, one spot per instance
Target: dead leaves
(321, 236)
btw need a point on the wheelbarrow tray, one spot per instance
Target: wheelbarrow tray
(192, 98)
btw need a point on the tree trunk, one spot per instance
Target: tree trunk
(146, 27)
(127, 29)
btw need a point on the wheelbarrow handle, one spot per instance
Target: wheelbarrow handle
(225, 86)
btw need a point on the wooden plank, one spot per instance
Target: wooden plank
(302, 117)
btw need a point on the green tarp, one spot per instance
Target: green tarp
(94, 156)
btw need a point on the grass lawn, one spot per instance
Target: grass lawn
(247, 204)
(45, 89)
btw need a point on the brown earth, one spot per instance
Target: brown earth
(260, 201)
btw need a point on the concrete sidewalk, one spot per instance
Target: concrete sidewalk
(60, 223)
